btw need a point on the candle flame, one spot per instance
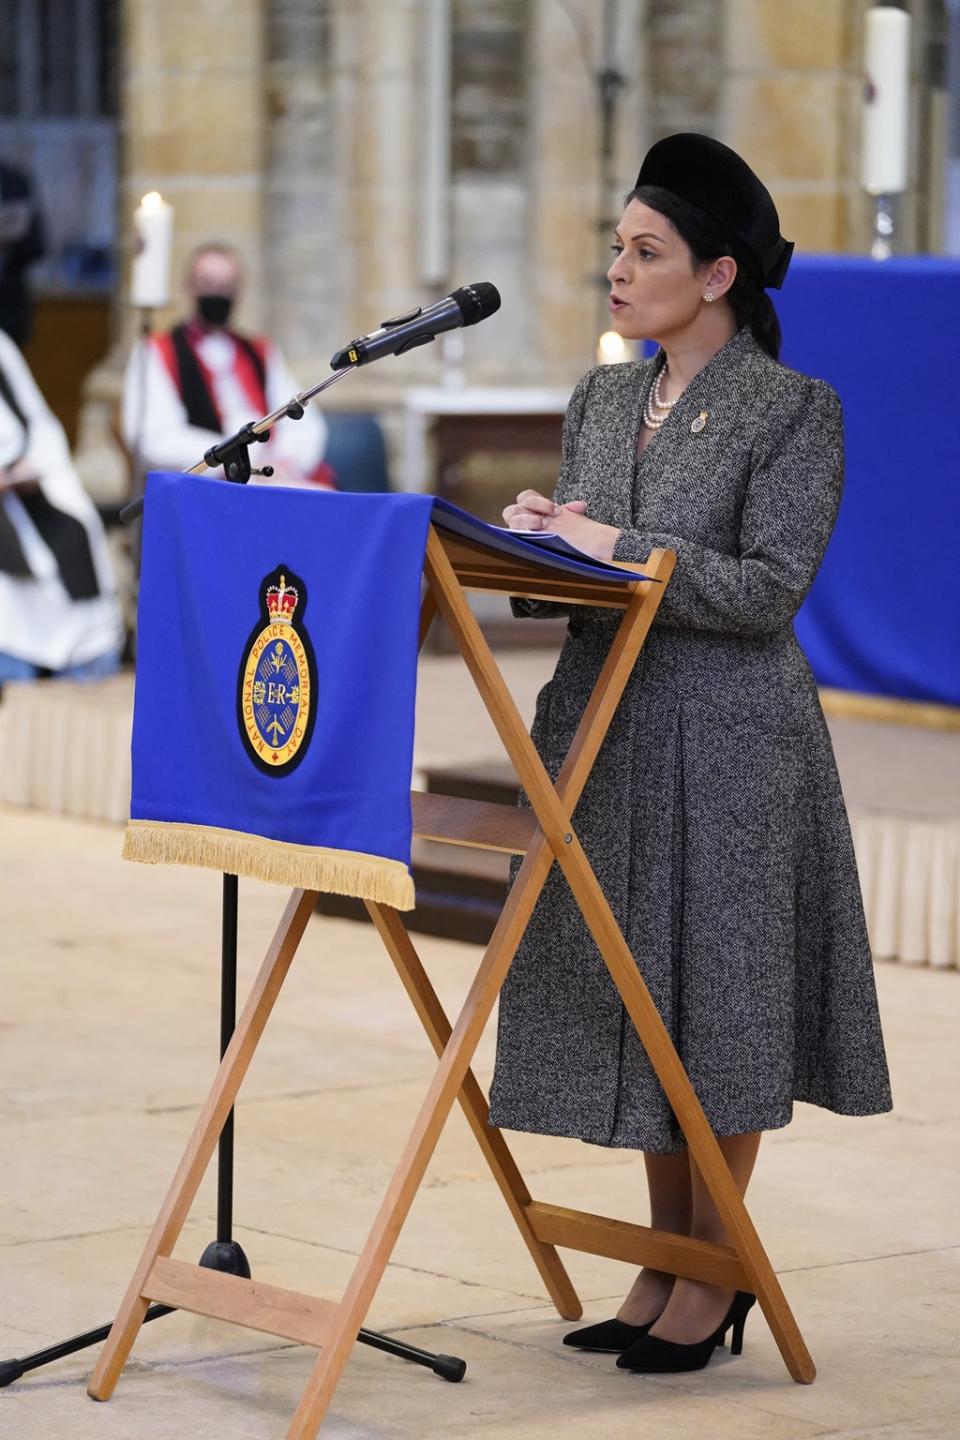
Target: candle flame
(612, 349)
(152, 200)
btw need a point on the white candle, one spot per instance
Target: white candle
(150, 275)
(886, 101)
(435, 208)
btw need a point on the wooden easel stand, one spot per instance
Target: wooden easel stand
(543, 834)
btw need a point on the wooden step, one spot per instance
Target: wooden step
(220, 1296)
(460, 887)
(494, 781)
(636, 1244)
(477, 824)
(452, 906)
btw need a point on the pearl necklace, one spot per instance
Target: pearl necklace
(651, 420)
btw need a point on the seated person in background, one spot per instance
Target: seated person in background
(22, 243)
(58, 608)
(189, 387)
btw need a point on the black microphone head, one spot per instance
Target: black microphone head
(476, 302)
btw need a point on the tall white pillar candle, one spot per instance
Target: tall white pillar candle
(886, 101)
(150, 275)
(435, 223)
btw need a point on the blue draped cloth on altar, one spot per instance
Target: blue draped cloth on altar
(883, 617)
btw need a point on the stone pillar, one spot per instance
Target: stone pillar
(341, 185)
(193, 125)
(378, 67)
(794, 78)
(571, 206)
(563, 262)
(491, 237)
(303, 221)
(685, 65)
(632, 137)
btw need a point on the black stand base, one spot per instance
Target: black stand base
(228, 1256)
(224, 1253)
(11, 1370)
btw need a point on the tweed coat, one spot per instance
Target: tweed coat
(713, 816)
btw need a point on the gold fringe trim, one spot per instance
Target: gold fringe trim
(305, 867)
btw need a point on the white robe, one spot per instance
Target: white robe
(39, 622)
(155, 425)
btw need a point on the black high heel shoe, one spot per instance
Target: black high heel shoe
(609, 1337)
(653, 1356)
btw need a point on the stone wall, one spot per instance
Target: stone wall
(343, 178)
(571, 204)
(791, 107)
(296, 130)
(685, 65)
(792, 104)
(303, 195)
(193, 127)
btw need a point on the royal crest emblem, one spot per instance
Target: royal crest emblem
(276, 689)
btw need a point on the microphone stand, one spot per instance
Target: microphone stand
(233, 453)
(224, 1253)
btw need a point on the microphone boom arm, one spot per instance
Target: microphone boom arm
(463, 307)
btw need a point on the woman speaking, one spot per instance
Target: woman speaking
(713, 817)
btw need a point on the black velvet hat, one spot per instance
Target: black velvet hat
(713, 177)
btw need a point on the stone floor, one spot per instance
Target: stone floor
(108, 1025)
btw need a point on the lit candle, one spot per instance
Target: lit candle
(150, 275)
(886, 101)
(612, 349)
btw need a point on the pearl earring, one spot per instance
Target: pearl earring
(708, 297)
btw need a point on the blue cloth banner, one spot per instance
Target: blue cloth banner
(276, 678)
(883, 616)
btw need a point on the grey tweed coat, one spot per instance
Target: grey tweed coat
(713, 817)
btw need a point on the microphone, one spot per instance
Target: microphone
(466, 306)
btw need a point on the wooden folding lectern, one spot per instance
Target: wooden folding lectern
(542, 834)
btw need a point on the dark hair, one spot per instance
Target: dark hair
(707, 240)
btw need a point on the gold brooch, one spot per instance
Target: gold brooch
(700, 423)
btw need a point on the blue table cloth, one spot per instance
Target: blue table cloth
(883, 617)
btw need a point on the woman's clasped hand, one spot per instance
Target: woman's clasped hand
(534, 511)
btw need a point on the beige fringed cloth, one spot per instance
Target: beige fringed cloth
(306, 867)
(276, 682)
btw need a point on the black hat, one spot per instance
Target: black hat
(714, 178)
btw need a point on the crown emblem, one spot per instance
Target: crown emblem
(282, 600)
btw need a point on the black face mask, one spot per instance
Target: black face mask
(214, 309)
